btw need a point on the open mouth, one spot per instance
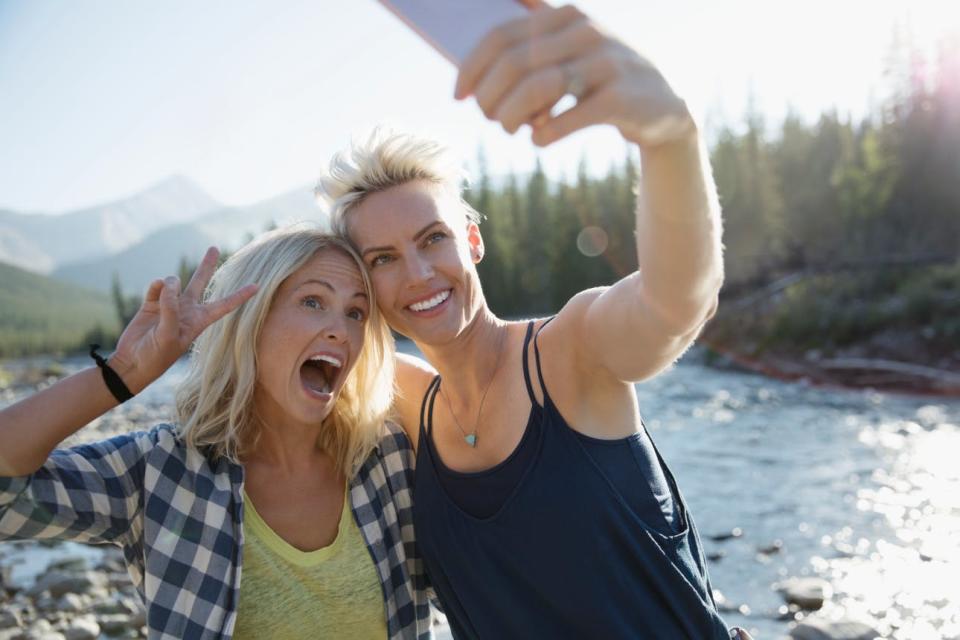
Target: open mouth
(320, 373)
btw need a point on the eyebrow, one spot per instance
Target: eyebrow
(327, 285)
(416, 236)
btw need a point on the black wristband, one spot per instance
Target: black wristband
(114, 383)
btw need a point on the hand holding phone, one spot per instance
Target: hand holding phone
(524, 72)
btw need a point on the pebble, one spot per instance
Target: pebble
(807, 593)
(71, 603)
(774, 547)
(814, 628)
(69, 564)
(82, 628)
(736, 532)
(60, 582)
(10, 619)
(41, 630)
(716, 556)
(115, 624)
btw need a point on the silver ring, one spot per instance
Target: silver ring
(573, 83)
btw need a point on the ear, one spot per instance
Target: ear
(475, 241)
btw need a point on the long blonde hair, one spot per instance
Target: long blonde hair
(215, 402)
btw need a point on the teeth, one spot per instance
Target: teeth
(431, 303)
(328, 359)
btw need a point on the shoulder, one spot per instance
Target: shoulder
(131, 445)
(566, 335)
(413, 372)
(413, 377)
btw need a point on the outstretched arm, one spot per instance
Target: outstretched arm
(643, 322)
(161, 331)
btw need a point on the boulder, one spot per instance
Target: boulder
(10, 620)
(807, 593)
(815, 628)
(82, 628)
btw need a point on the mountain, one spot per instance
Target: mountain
(156, 256)
(233, 226)
(41, 315)
(41, 242)
(159, 253)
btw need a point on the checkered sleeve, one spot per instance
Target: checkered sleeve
(89, 493)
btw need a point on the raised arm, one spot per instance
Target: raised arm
(161, 331)
(639, 325)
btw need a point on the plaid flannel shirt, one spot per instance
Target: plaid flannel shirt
(178, 517)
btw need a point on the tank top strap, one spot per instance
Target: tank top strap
(536, 354)
(431, 395)
(526, 367)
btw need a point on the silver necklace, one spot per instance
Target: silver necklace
(471, 438)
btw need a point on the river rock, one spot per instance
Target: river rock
(71, 603)
(10, 620)
(41, 630)
(115, 605)
(69, 564)
(139, 619)
(723, 536)
(115, 624)
(82, 628)
(807, 593)
(59, 583)
(119, 579)
(774, 547)
(46, 603)
(814, 628)
(5, 576)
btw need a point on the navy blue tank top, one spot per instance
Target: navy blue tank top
(565, 548)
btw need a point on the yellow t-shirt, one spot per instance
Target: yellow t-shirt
(333, 592)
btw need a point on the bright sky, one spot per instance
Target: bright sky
(99, 99)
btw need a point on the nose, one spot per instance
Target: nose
(419, 269)
(335, 329)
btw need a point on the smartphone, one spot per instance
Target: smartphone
(455, 27)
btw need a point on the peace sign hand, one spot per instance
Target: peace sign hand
(167, 323)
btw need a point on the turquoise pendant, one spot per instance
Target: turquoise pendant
(471, 439)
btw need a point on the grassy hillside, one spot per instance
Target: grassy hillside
(42, 315)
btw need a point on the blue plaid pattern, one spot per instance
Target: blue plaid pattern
(178, 516)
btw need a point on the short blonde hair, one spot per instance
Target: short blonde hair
(385, 159)
(215, 402)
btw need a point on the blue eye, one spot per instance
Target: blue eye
(311, 303)
(357, 314)
(436, 236)
(383, 258)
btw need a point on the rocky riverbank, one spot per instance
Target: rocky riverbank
(72, 599)
(894, 330)
(81, 592)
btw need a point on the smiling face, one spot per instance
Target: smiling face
(422, 253)
(310, 340)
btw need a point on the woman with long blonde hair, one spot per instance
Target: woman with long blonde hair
(282, 463)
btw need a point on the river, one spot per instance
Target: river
(858, 487)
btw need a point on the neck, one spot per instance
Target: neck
(467, 363)
(289, 449)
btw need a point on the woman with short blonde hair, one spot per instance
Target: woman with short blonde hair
(542, 507)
